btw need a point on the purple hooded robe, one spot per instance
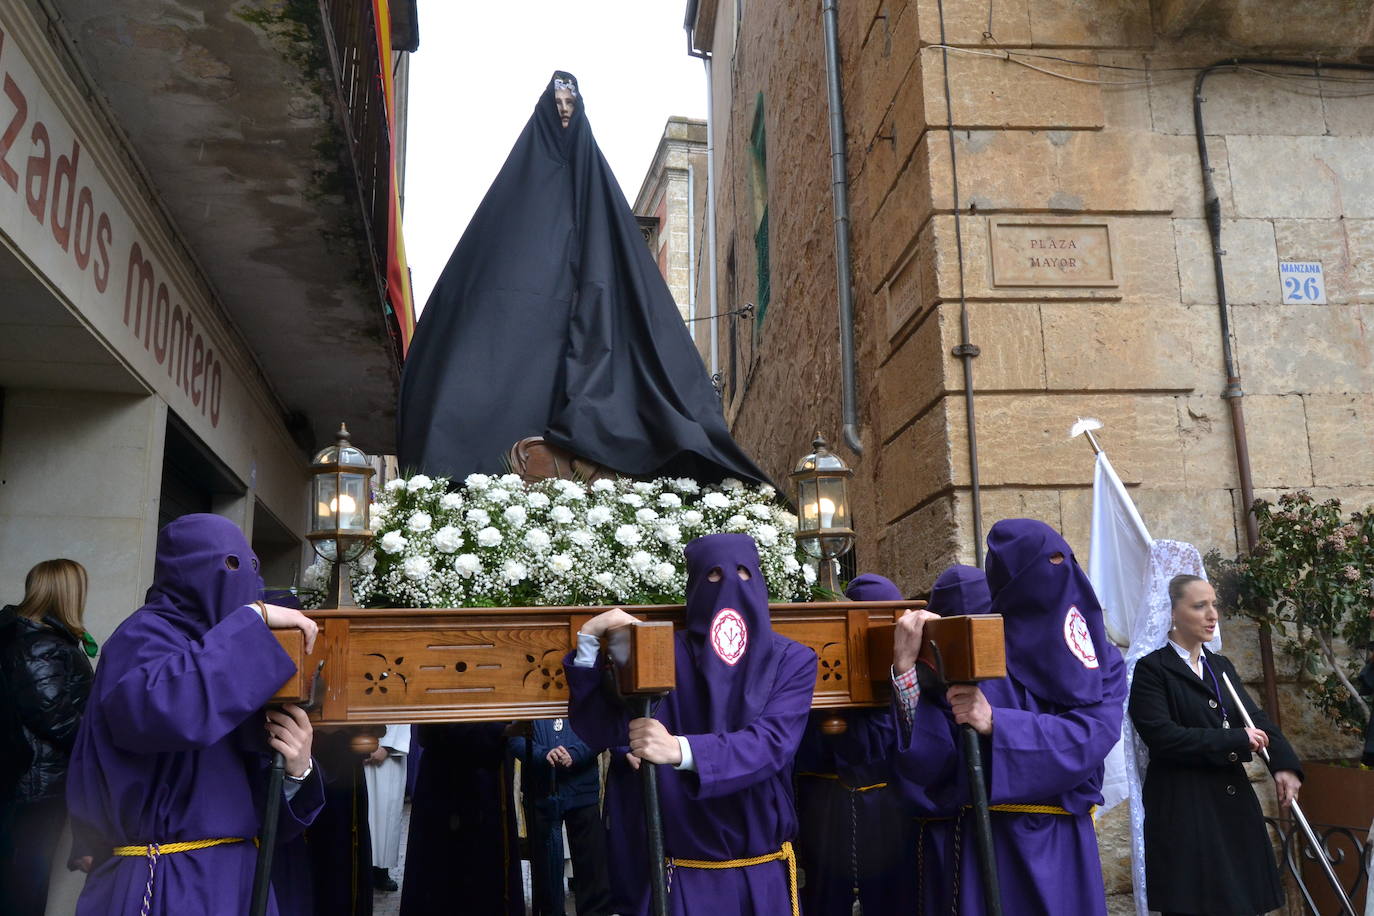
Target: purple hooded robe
(161, 757)
(856, 830)
(742, 697)
(960, 590)
(1055, 717)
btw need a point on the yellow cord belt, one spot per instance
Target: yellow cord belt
(155, 850)
(784, 854)
(1013, 809)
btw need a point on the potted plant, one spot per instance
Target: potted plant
(1310, 578)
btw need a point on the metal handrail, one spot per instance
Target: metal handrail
(1339, 846)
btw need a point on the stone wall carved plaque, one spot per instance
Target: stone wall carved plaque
(1048, 253)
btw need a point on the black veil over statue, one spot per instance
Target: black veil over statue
(551, 319)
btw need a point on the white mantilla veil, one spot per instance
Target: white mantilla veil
(1151, 631)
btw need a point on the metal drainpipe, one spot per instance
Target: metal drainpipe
(840, 189)
(691, 245)
(710, 188)
(966, 350)
(1233, 393)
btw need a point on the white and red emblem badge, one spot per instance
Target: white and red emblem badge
(1078, 639)
(729, 635)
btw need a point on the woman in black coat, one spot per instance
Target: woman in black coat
(1206, 848)
(46, 675)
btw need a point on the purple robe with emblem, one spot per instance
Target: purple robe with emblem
(1055, 717)
(172, 747)
(742, 697)
(856, 830)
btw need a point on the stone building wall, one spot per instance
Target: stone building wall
(1105, 138)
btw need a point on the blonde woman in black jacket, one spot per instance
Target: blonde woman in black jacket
(47, 674)
(1206, 849)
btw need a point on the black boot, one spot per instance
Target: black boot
(382, 880)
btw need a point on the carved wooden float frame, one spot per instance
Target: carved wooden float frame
(499, 664)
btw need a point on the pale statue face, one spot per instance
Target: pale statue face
(564, 101)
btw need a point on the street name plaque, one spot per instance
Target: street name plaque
(1048, 253)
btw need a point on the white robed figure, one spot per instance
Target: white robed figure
(386, 790)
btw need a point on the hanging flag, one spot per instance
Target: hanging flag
(398, 289)
(1118, 552)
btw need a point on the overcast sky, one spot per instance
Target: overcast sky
(482, 66)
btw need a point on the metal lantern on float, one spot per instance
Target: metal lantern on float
(821, 482)
(340, 490)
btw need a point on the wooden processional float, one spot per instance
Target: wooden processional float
(378, 666)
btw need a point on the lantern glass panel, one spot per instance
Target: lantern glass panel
(352, 502)
(833, 502)
(808, 504)
(326, 487)
(327, 549)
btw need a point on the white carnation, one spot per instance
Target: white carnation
(479, 518)
(737, 523)
(488, 537)
(570, 489)
(538, 540)
(787, 521)
(640, 561)
(420, 522)
(562, 515)
(645, 515)
(498, 496)
(759, 511)
(603, 579)
(447, 539)
(417, 568)
(604, 485)
(367, 562)
(419, 482)
(669, 533)
(582, 538)
(451, 501)
(686, 485)
(396, 483)
(809, 573)
(515, 516)
(316, 575)
(790, 564)
(467, 564)
(628, 535)
(512, 481)
(537, 500)
(394, 542)
(669, 500)
(599, 515)
(378, 512)
(664, 572)
(644, 487)
(691, 518)
(766, 535)
(560, 564)
(731, 483)
(766, 491)
(632, 499)
(477, 481)
(514, 572)
(715, 500)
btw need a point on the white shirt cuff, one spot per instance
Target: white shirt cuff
(588, 647)
(688, 761)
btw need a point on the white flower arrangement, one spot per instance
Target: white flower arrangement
(500, 542)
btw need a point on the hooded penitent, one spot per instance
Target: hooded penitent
(1053, 622)
(551, 319)
(730, 635)
(960, 590)
(157, 759)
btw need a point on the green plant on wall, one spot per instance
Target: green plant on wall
(1310, 578)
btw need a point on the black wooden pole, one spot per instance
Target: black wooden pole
(653, 821)
(267, 839)
(982, 822)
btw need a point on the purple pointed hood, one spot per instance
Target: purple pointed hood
(204, 571)
(960, 590)
(872, 587)
(728, 630)
(1055, 636)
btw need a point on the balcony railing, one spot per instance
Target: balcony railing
(351, 37)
